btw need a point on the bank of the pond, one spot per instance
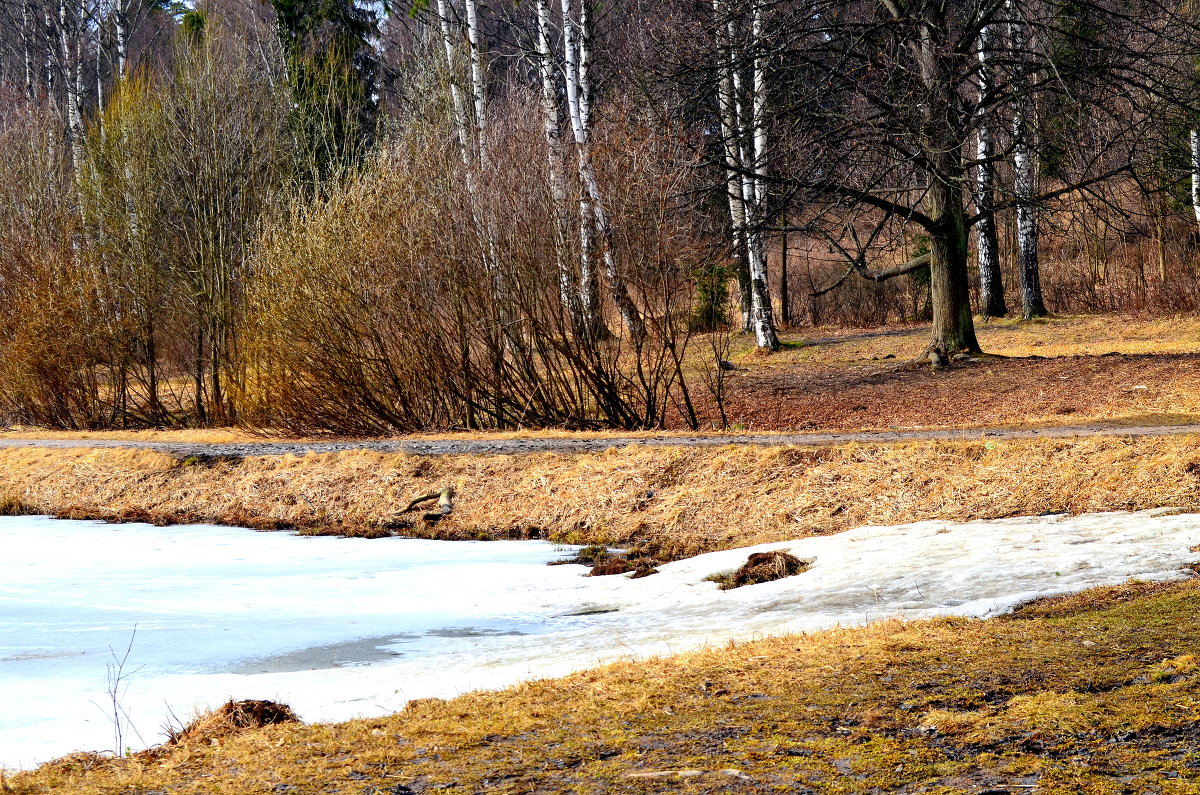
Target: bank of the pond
(1095, 693)
(345, 628)
(673, 501)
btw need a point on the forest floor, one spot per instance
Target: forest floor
(1099, 693)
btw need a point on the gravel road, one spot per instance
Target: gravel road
(526, 446)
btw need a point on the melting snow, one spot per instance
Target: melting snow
(341, 628)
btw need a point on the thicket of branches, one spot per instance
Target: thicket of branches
(491, 214)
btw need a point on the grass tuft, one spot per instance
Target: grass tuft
(761, 567)
(12, 505)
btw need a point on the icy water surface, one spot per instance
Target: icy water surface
(340, 628)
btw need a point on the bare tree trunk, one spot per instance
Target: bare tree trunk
(567, 286)
(953, 329)
(99, 44)
(745, 277)
(727, 112)
(77, 82)
(785, 301)
(471, 137)
(27, 46)
(477, 89)
(50, 36)
(1025, 188)
(991, 283)
(121, 34)
(745, 159)
(578, 103)
(1194, 135)
(589, 286)
(458, 107)
(760, 297)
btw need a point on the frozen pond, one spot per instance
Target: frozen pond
(339, 628)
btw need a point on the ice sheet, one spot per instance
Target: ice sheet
(341, 628)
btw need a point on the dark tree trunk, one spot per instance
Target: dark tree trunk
(785, 299)
(953, 328)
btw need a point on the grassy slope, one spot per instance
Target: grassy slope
(1097, 693)
(675, 502)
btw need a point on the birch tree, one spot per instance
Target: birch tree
(594, 216)
(575, 297)
(742, 113)
(1194, 140)
(1025, 170)
(991, 283)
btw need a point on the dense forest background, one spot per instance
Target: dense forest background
(318, 216)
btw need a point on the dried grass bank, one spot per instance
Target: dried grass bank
(672, 502)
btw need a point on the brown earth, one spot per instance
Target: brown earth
(993, 392)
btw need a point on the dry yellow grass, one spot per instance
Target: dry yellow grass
(1068, 335)
(673, 501)
(189, 436)
(178, 436)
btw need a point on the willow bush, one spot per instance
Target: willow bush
(51, 335)
(420, 295)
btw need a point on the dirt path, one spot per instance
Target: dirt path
(595, 444)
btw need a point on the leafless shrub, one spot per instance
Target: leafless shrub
(421, 295)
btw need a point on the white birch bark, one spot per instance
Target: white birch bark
(72, 70)
(98, 43)
(121, 36)
(477, 88)
(589, 288)
(63, 52)
(77, 73)
(727, 112)
(568, 289)
(1025, 185)
(742, 158)
(585, 62)
(471, 139)
(578, 97)
(745, 153)
(27, 45)
(760, 294)
(48, 29)
(1194, 135)
(991, 286)
(458, 107)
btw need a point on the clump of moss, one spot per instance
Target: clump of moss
(762, 567)
(604, 562)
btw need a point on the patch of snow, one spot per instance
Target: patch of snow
(343, 628)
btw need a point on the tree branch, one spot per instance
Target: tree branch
(895, 270)
(880, 203)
